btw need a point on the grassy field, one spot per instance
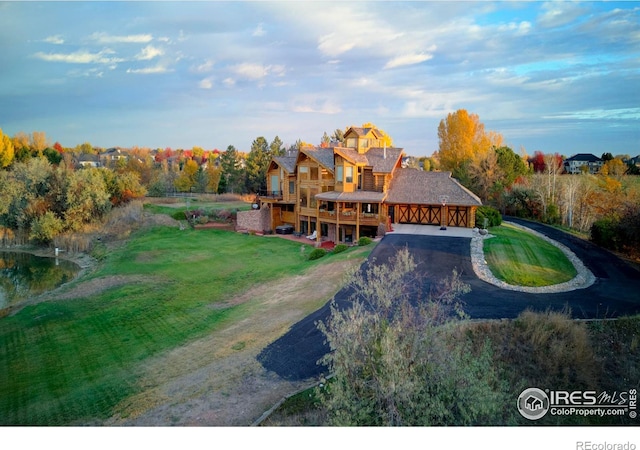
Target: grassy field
(71, 361)
(520, 258)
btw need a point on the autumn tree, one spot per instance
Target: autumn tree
(386, 139)
(38, 141)
(188, 178)
(325, 140)
(6, 150)
(463, 141)
(213, 175)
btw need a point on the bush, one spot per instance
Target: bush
(317, 253)
(493, 216)
(604, 233)
(45, 228)
(340, 248)
(364, 240)
(179, 215)
(202, 220)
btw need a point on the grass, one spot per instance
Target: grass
(521, 258)
(72, 361)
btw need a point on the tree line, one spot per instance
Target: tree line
(605, 205)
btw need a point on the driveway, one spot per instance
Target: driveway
(616, 292)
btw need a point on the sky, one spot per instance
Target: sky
(553, 77)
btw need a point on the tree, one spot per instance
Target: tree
(188, 178)
(338, 136)
(386, 139)
(276, 148)
(213, 177)
(257, 165)
(6, 150)
(38, 142)
(395, 362)
(485, 175)
(463, 140)
(232, 177)
(325, 140)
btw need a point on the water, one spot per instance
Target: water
(23, 275)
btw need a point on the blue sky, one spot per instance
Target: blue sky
(557, 77)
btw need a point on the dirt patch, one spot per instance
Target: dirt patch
(217, 381)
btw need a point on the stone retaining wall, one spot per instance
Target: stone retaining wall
(254, 220)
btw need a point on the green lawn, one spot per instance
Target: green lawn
(520, 258)
(71, 361)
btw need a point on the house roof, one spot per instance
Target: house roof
(380, 159)
(323, 155)
(358, 196)
(584, 157)
(364, 131)
(288, 163)
(413, 186)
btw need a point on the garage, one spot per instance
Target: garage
(430, 198)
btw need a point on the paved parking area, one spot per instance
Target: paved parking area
(431, 230)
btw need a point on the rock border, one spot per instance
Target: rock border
(582, 280)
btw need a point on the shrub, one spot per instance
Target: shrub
(340, 248)
(364, 240)
(45, 228)
(202, 220)
(493, 216)
(317, 253)
(604, 233)
(179, 215)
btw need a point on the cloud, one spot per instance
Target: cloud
(57, 39)
(104, 38)
(205, 67)
(259, 31)
(160, 68)
(254, 71)
(600, 114)
(407, 60)
(80, 57)
(557, 14)
(149, 52)
(319, 105)
(206, 83)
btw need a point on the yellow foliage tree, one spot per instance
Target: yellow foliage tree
(6, 150)
(386, 139)
(463, 141)
(188, 176)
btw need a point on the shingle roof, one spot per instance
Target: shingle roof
(383, 160)
(584, 157)
(352, 155)
(358, 196)
(324, 156)
(288, 163)
(413, 186)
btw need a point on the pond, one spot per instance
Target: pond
(23, 275)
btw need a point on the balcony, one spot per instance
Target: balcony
(274, 195)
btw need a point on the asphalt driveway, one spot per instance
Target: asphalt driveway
(616, 292)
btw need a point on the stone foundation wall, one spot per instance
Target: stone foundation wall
(258, 220)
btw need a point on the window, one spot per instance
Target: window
(352, 142)
(292, 187)
(304, 172)
(339, 174)
(304, 197)
(349, 174)
(314, 173)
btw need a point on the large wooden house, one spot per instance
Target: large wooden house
(359, 189)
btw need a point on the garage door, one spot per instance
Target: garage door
(458, 216)
(418, 214)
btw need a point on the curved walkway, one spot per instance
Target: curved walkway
(613, 293)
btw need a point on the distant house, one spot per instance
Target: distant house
(88, 160)
(583, 162)
(111, 155)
